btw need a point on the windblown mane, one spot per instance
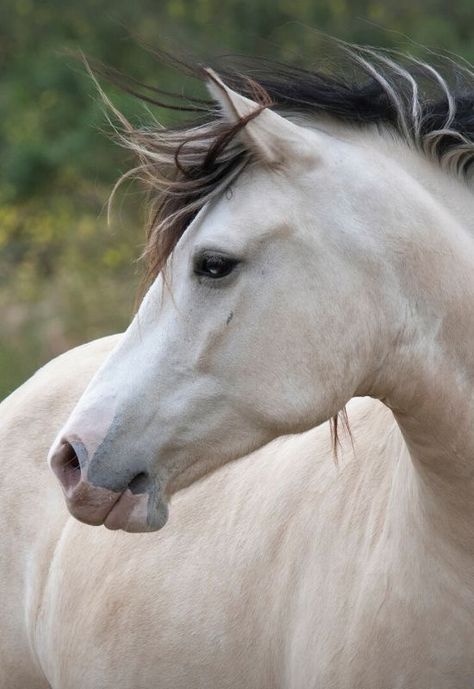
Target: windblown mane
(185, 166)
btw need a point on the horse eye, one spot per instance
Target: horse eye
(214, 265)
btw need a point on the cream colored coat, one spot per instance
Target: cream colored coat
(280, 570)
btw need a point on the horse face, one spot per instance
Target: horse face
(264, 325)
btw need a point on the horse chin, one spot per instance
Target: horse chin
(137, 513)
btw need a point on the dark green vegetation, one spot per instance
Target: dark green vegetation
(65, 276)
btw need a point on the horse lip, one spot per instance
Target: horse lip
(135, 513)
(91, 506)
(128, 510)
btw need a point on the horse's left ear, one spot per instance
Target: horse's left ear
(272, 137)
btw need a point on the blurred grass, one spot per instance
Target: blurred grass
(65, 277)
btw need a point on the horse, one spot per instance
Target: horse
(310, 247)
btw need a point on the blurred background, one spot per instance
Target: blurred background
(65, 275)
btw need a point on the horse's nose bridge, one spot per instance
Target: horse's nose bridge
(89, 424)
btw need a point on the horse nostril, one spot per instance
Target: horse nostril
(65, 464)
(140, 484)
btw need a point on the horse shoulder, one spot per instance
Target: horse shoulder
(31, 504)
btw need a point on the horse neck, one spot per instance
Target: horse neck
(429, 382)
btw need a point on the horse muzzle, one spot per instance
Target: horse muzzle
(136, 506)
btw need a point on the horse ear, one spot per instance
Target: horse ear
(272, 137)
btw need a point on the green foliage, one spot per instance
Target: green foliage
(65, 277)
